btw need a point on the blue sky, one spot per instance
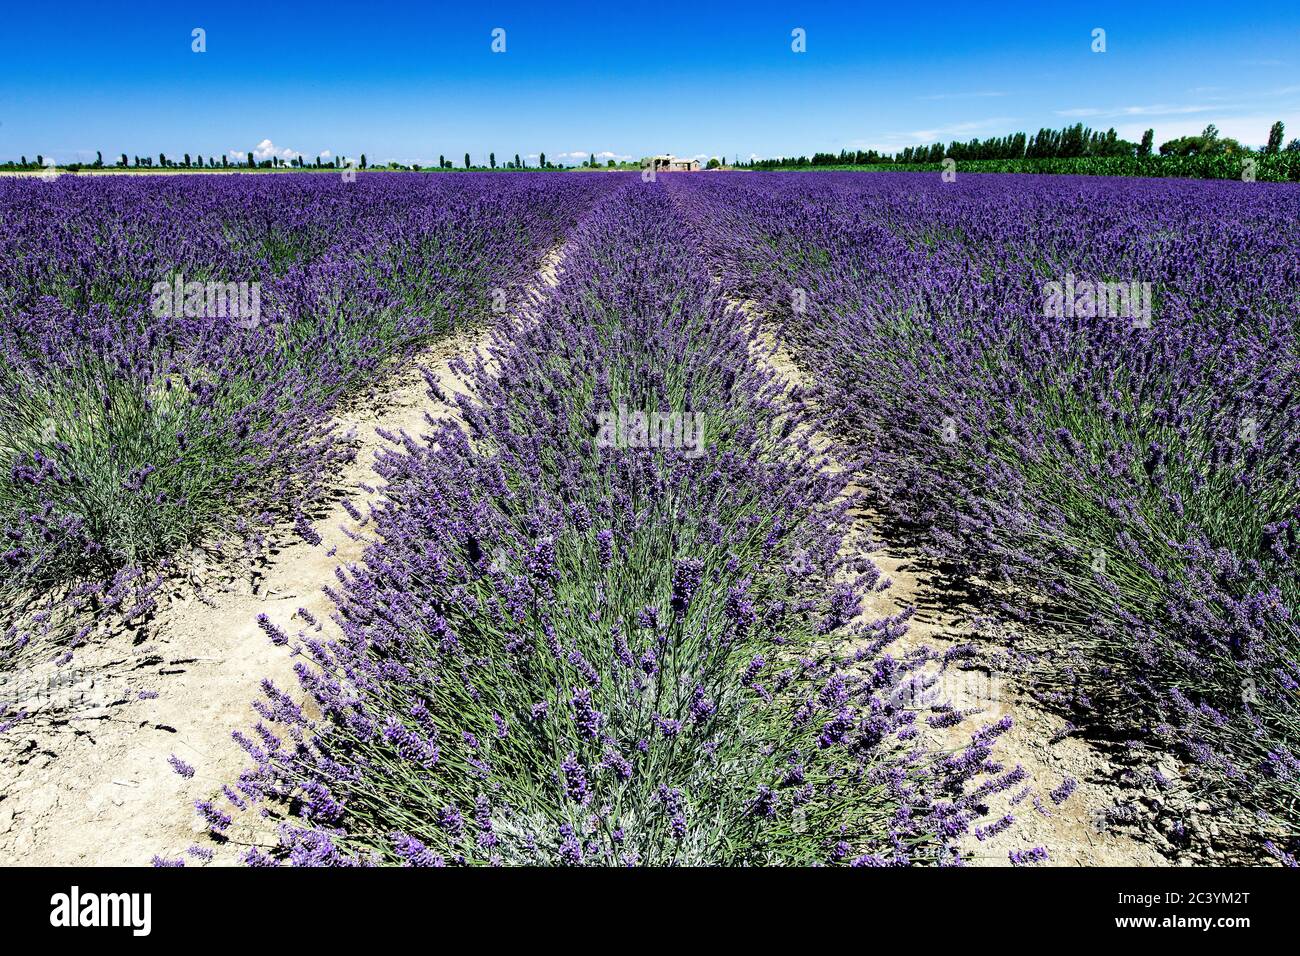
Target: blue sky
(410, 81)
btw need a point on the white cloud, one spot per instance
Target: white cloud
(267, 149)
(325, 154)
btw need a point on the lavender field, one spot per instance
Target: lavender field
(735, 519)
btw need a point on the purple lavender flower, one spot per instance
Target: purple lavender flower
(1026, 857)
(180, 766)
(1063, 791)
(687, 575)
(575, 779)
(217, 820)
(585, 716)
(273, 631)
(605, 544)
(257, 858)
(414, 853)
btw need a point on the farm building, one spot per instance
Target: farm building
(672, 164)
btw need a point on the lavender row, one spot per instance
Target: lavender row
(606, 620)
(1085, 389)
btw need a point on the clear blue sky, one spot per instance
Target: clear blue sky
(408, 81)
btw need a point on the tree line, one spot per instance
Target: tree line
(1071, 142)
(249, 160)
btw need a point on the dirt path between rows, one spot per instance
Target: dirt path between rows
(1075, 832)
(86, 780)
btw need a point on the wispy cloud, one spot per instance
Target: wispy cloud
(582, 154)
(1157, 110)
(952, 130)
(893, 141)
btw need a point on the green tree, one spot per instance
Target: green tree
(1275, 138)
(467, 160)
(252, 164)
(542, 161)
(363, 161)
(518, 163)
(1144, 147)
(492, 160)
(1209, 143)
